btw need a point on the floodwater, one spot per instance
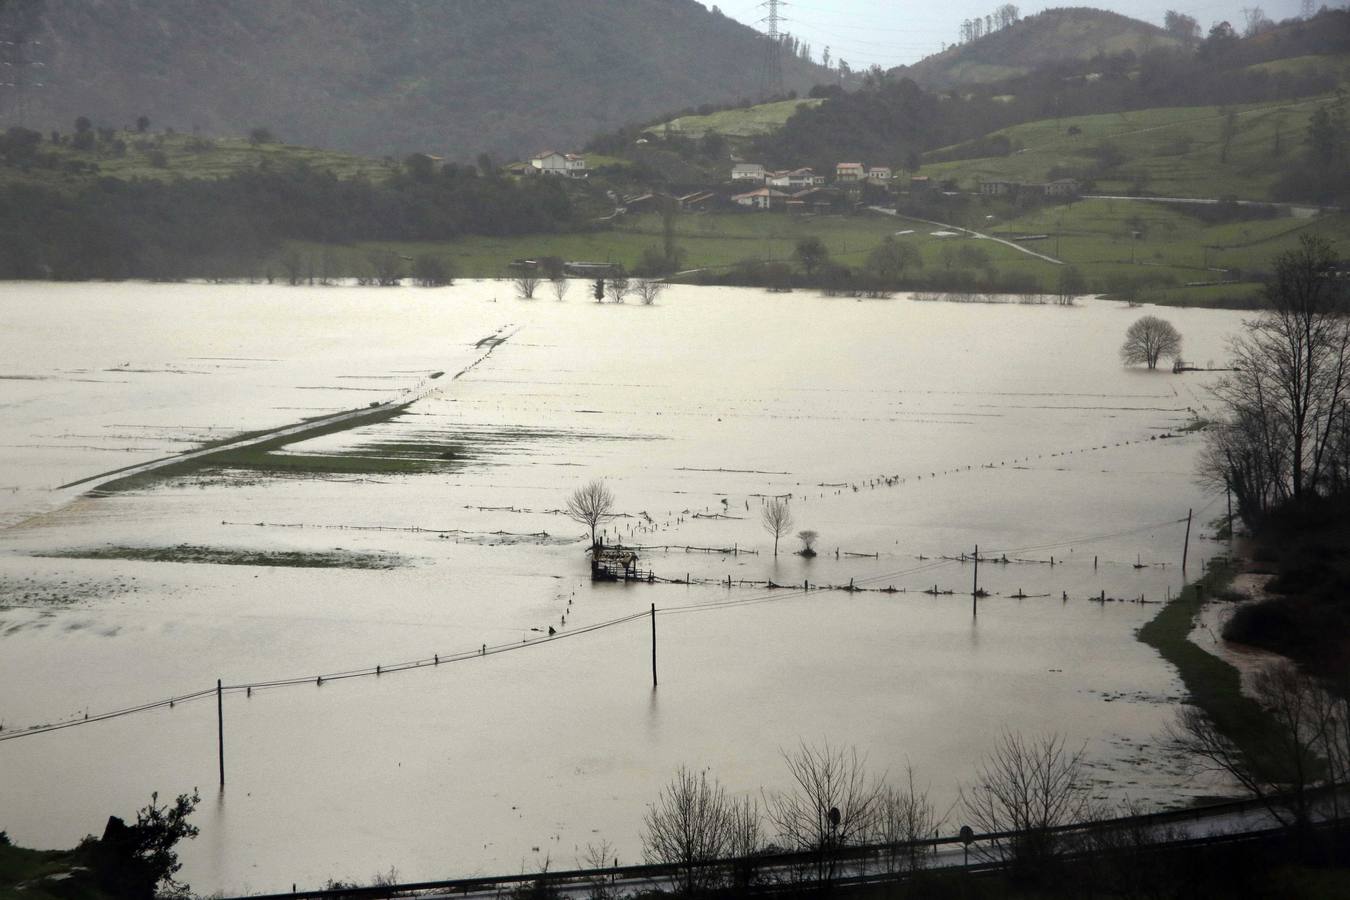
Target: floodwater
(904, 431)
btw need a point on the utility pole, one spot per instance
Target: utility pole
(975, 585)
(220, 730)
(1186, 547)
(653, 646)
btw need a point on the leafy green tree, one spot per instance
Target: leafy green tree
(261, 135)
(888, 260)
(811, 253)
(429, 270)
(138, 862)
(142, 124)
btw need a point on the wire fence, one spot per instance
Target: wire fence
(772, 594)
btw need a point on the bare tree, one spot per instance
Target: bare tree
(1148, 339)
(1027, 786)
(648, 289)
(808, 539)
(526, 284)
(690, 823)
(745, 839)
(560, 286)
(776, 517)
(834, 803)
(618, 286)
(590, 505)
(598, 856)
(1287, 395)
(1279, 759)
(906, 817)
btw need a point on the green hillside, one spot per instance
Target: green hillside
(1050, 37)
(1171, 152)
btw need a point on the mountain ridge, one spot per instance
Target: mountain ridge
(451, 77)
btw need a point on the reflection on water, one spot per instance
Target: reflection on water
(904, 433)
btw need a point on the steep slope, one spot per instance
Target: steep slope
(1050, 37)
(455, 77)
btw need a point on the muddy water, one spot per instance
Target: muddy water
(905, 432)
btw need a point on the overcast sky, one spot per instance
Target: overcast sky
(892, 32)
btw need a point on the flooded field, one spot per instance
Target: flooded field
(904, 432)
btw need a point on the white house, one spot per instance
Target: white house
(748, 172)
(793, 179)
(879, 174)
(551, 162)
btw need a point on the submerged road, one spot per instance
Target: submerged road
(300, 430)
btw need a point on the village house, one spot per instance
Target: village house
(997, 188)
(748, 172)
(879, 175)
(850, 172)
(1062, 187)
(568, 165)
(793, 179)
(763, 198)
(817, 199)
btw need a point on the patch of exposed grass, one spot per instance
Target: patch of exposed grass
(738, 123)
(1212, 684)
(219, 556)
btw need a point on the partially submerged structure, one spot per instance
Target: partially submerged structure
(616, 563)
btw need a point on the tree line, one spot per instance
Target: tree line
(110, 228)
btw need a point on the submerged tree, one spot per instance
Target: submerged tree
(808, 539)
(776, 517)
(648, 289)
(590, 505)
(526, 284)
(431, 271)
(1148, 339)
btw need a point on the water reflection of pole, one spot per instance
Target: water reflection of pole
(975, 586)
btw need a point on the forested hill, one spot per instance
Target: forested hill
(452, 77)
(1046, 39)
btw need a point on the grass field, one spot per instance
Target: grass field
(1169, 152)
(738, 123)
(1174, 248)
(710, 240)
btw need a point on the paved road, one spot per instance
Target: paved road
(975, 234)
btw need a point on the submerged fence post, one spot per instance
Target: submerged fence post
(653, 646)
(220, 729)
